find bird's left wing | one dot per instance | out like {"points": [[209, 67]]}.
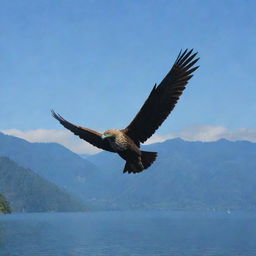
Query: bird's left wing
{"points": [[162, 98], [89, 135]]}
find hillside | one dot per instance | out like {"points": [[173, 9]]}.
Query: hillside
{"points": [[28, 192], [51, 161]]}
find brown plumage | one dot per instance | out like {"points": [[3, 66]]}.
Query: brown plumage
{"points": [[154, 111]]}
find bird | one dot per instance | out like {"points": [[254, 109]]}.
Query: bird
{"points": [[160, 102]]}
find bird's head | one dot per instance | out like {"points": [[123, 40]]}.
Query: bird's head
{"points": [[109, 134]]}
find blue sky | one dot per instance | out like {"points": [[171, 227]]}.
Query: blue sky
{"points": [[95, 62]]}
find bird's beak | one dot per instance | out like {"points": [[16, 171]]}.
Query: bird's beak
{"points": [[104, 136]]}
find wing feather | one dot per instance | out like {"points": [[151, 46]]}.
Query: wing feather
{"points": [[89, 135], [163, 98]]}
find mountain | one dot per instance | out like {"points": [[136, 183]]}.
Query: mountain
{"points": [[28, 192], [52, 162], [219, 174], [4, 205]]}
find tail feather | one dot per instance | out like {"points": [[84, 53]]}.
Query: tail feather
{"points": [[147, 158]]}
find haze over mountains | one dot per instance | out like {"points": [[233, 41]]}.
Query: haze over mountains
{"points": [[186, 175]]}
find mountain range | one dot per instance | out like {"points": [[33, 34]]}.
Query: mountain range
{"points": [[186, 175], [219, 174]]}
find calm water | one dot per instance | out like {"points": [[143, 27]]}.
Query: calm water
{"points": [[150, 233]]}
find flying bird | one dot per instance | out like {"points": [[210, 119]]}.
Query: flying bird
{"points": [[160, 102]]}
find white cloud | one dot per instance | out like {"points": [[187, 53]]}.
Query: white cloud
{"points": [[207, 133], [195, 133]]}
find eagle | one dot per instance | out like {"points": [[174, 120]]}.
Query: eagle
{"points": [[160, 102]]}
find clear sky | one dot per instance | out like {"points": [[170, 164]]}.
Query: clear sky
{"points": [[95, 62]]}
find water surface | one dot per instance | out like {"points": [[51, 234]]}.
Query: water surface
{"points": [[134, 233]]}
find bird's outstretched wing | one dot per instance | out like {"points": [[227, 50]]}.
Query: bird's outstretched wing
{"points": [[89, 135], [162, 98]]}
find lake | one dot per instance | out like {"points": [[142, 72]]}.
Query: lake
{"points": [[131, 233]]}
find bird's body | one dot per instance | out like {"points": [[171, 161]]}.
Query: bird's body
{"points": [[156, 108], [126, 148], [119, 141]]}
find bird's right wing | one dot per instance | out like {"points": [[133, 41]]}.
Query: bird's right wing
{"points": [[89, 135], [162, 98]]}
